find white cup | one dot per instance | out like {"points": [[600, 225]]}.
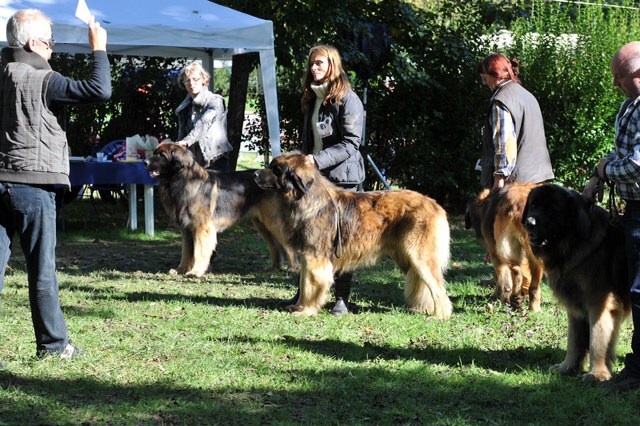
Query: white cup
{"points": [[100, 157]]}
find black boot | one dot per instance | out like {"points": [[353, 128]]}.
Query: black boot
{"points": [[342, 289], [294, 299]]}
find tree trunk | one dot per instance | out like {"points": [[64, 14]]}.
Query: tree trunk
{"points": [[241, 67]]}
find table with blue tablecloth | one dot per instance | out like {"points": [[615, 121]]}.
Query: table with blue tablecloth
{"points": [[131, 173]]}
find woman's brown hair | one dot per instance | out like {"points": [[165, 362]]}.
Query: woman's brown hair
{"points": [[499, 66], [338, 82]]}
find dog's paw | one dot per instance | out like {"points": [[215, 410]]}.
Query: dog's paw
{"points": [[517, 301], [564, 369], [195, 273], [180, 270], [444, 310], [301, 311], [294, 308], [304, 314], [294, 268], [597, 376], [535, 306]]}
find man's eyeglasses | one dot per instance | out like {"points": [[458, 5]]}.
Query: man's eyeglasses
{"points": [[50, 43]]}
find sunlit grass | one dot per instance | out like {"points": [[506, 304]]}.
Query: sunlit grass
{"points": [[163, 349]]}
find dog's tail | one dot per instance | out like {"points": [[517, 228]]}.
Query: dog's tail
{"points": [[442, 244], [424, 280]]}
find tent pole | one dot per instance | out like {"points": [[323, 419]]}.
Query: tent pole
{"points": [[209, 67], [268, 73]]}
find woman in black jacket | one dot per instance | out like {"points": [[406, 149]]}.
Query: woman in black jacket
{"points": [[333, 119]]}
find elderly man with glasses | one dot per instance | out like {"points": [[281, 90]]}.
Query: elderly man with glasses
{"points": [[34, 159]]}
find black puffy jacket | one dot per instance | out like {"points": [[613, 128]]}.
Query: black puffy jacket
{"points": [[340, 159]]}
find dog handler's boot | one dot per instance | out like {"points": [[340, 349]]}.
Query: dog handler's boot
{"points": [[342, 289], [294, 281], [293, 300]]}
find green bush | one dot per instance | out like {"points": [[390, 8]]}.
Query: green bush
{"points": [[425, 102], [567, 67]]}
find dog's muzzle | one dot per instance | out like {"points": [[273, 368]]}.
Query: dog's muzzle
{"points": [[530, 225]]}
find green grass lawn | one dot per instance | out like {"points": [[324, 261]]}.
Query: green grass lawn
{"points": [[169, 350]]}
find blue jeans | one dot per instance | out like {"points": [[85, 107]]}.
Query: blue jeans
{"points": [[30, 211], [631, 225]]}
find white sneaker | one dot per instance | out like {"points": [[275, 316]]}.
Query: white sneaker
{"points": [[71, 352]]}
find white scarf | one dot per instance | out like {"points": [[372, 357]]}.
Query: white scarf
{"points": [[320, 90]]}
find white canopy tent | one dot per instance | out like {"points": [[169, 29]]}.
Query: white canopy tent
{"points": [[167, 28]]}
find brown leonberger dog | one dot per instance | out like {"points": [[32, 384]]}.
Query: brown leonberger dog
{"points": [[496, 216], [585, 263], [335, 231], [203, 203]]}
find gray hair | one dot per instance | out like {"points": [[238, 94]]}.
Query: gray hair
{"points": [[25, 25], [193, 69]]}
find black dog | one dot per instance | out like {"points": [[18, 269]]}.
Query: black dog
{"points": [[585, 263]]}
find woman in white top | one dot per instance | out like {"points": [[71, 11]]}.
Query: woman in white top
{"points": [[202, 120]]}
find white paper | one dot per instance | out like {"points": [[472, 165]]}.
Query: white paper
{"points": [[82, 12]]}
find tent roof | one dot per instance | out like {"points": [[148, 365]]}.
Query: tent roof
{"points": [[169, 28]]}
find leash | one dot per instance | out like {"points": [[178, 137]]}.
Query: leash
{"points": [[337, 242], [612, 206]]}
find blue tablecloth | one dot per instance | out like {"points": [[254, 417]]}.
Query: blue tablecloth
{"points": [[130, 173], [94, 173]]}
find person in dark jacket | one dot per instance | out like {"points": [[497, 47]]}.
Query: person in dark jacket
{"points": [[202, 120], [514, 147], [332, 129], [34, 159]]}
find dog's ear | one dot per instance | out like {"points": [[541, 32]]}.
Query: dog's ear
{"points": [[176, 157], [580, 208], [297, 184]]}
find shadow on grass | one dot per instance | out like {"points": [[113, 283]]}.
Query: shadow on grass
{"points": [[365, 394], [147, 296], [378, 304], [503, 361]]}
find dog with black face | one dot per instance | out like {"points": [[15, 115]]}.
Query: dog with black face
{"points": [[585, 263]]}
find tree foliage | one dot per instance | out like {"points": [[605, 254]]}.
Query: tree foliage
{"points": [[424, 100], [567, 67], [421, 102], [426, 106]]}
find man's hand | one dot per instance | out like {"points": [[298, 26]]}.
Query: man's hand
{"points": [[593, 189], [311, 160], [601, 165], [97, 36], [498, 182]]}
